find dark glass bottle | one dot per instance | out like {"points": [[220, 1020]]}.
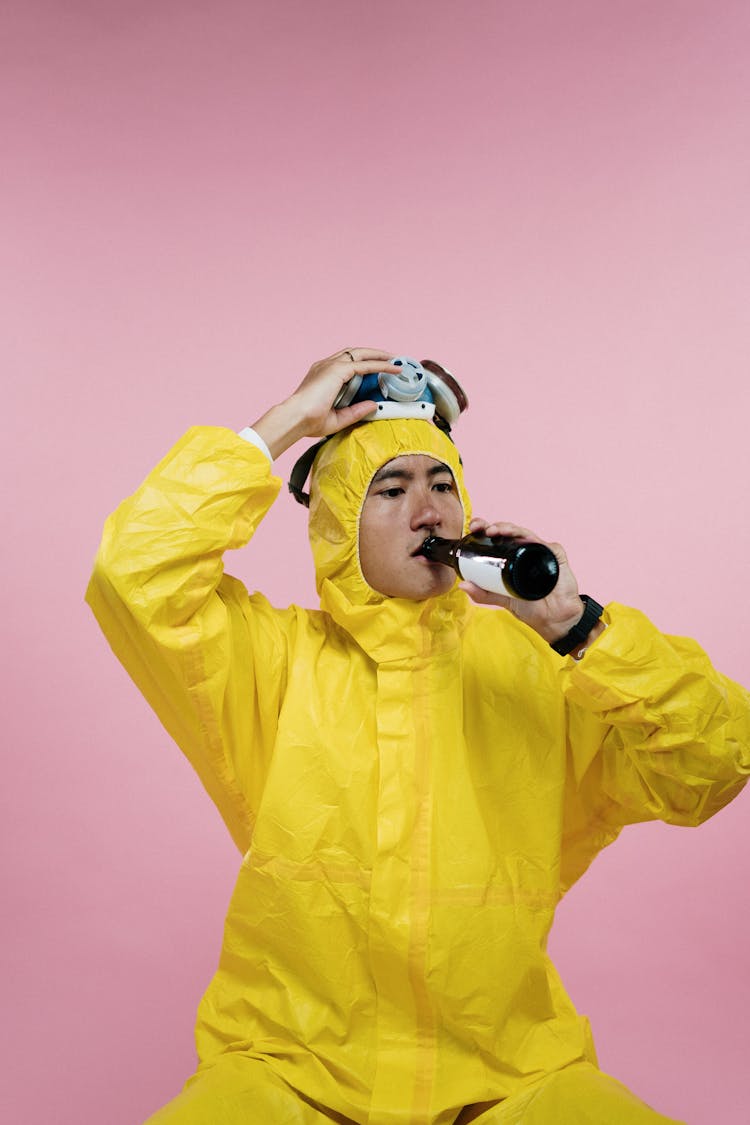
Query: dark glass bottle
{"points": [[497, 563]]}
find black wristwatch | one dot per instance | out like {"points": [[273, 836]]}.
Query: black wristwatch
{"points": [[581, 629]]}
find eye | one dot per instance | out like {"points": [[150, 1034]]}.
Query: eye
{"points": [[445, 486], [391, 493]]}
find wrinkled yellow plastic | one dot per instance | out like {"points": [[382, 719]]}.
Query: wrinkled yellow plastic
{"points": [[412, 786], [239, 1090]]}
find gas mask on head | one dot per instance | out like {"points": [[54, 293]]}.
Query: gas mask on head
{"points": [[423, 390], [419, 390]]}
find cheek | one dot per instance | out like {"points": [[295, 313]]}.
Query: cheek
{"points": [[370, 529], [381, 520], [373, 536], [454, 516]]}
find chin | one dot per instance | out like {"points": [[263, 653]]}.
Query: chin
{"points": [[418, 588], [435, 590]]}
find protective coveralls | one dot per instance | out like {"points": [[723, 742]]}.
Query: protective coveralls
{"points": [[413, 785]]}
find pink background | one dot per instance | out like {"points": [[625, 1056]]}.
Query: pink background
{"points": [[201, 199]]}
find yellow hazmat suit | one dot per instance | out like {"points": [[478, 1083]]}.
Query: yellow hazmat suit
{"points": [[412, 785]]}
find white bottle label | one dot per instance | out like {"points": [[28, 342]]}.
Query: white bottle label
{"points": [[485, 572]]}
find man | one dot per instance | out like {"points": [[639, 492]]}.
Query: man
{"points": [[413, 780]]}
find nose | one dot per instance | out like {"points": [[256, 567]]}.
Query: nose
{"points": [[425, 514]]}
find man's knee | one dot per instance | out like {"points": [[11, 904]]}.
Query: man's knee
{"points": [[577, 1095]]}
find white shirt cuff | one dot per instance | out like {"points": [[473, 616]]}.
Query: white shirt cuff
{"points": [[255, 439]]}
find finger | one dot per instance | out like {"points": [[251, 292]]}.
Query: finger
{"points": [[513, 530], [558, 551], [369, 366], [349, 415], [343, 368], [356, 355], [484, 597], [503, 527]]}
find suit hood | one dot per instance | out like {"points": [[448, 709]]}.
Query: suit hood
{"points": [[341, 476]]}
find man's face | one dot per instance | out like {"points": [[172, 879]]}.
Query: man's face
{"points": [[409, 498]]}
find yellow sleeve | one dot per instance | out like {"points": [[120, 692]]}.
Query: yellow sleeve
{"points": [[654, 732], [210, 660]]}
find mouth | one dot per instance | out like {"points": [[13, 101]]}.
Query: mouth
{"points": [[424, 560]]}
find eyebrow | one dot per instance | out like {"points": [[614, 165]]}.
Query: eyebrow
{"points": [[405, 474]]}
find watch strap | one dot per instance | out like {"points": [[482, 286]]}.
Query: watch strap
{"points": [[580, 631]]}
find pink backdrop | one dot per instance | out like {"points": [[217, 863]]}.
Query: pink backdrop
{"points": [[199, 200]]}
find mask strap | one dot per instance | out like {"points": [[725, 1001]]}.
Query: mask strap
{"points": [[301, 471]]}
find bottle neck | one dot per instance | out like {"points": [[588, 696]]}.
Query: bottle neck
{"points": [[441, 550]]}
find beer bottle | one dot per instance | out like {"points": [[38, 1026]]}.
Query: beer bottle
{"points": [[498, 563]]}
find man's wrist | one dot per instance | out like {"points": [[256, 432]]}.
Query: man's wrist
{"points": [[578, 652], [562, 628], [280, 427], [579, 636], [253, 437]]}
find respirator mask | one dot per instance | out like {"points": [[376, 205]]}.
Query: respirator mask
{"points": [[419, 390]]}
